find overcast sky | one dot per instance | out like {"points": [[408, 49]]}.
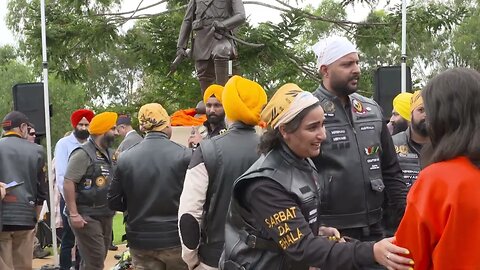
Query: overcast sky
{"points": [[254, 12]]}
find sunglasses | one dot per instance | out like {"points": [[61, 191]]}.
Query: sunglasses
{"points": [[31, 134]]}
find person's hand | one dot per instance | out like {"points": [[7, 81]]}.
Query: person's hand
{"points": [[77, 221], [331, 233], [194, 138], [328, 231], [392, 256], [3, 191], [181, 51], [219, 26]]}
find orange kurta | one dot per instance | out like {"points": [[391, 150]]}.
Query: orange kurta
{"points": [[441, 225]]}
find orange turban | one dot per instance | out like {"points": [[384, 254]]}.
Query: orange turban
{"points": [[77, 116], [243, 100], [213, 90], [417, 100], [102, 123]]}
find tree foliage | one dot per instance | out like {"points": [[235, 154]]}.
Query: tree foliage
{"points": [[107, 67]]}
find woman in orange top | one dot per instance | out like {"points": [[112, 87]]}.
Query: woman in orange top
{"points": [[441, 225]]}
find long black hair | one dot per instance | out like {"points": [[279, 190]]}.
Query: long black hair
{"points": [[272, 137], [452, 104]]}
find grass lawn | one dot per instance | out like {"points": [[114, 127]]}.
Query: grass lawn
{"points": [[118, 228]]}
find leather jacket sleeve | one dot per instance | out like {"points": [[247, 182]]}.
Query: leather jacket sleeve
{"points": [[395, 187], [190, 211], [279, 215], [42, 184], [116, 196]]}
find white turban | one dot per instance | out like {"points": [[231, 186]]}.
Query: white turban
{"points": [[331, 49]]}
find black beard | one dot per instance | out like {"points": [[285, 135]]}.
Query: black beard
{"points": [[342, 89], [108, 141], [81, 134], [420, 128], [215, 119], [399, 126]]}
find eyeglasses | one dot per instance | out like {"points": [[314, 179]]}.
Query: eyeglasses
{"points": [[31, 134]]}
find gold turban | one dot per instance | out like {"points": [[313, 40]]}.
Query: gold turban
{"points": [[153, 117], [286, 103], [401, 104], [215, 90], [243, 100], [417, 100], [102, 123]]}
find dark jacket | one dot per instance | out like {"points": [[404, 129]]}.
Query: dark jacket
{"points": [[22, 161], [231, 154], [408, 156], [147, 183], [273, 220], [358, 165], [130, 140]]}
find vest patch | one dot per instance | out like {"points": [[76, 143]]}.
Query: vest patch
{"points": [[340, 139], [374, 167], [401, 149], [100, 181], [87, 184], [357, 107], [372, 150], [338, 132], [329, 107], [366, 128], [305, 189]]}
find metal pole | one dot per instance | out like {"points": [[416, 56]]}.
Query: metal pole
{"points": [[48, 135], [404, 46]]}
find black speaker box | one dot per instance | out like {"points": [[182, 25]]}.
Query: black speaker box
{"points": [[28, 99], [388, 85]]}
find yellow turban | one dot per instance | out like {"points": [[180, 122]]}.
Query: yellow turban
{"points": [[153, 117], [401, 104], [215, 90], [102, 123], [243, 100], [286, 103], [417, 100]]}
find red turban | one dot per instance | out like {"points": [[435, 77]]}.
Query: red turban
{"points": [[77, 116]]}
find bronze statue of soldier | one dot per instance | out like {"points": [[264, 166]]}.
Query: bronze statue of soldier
{"points": [[210, 24]]}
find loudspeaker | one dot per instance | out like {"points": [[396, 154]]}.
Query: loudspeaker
{"points": [[28, 99], [388, 85]]}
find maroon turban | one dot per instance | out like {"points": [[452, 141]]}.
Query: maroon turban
{"points": [[79, 114]]}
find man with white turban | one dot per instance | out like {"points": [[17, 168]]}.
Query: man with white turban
{"points": [[357, 166]]}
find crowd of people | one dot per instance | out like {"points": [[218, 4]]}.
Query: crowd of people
{"points": [[328, 184]]}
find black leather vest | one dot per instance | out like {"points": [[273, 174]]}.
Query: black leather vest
{"points": [[349, 164], [226, 157], [91, 191], [408, 157], [20, 160], [247, 246]]}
